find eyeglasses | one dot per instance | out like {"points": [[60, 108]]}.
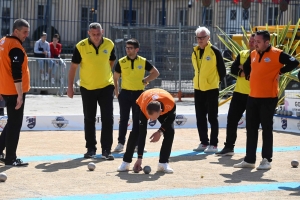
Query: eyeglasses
{"points": [[129, 48], [200, 38]]}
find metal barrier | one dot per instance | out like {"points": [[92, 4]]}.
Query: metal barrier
{"points": [[42, 70]]}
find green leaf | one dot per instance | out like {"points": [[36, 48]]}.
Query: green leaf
{"points": [[294, 33]]}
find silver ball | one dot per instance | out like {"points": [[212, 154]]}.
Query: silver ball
{"points": [[3, 177], [147, 169], [295, 163], [91, 166]]}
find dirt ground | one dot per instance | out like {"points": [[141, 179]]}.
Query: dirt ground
{"points": [[70, 177]]}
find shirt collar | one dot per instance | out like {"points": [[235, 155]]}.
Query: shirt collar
{"points": [[14, 37]]}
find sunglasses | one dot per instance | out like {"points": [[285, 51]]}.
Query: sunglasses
{"points": [[200, 38]]}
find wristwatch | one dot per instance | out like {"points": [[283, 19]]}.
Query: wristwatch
{"points": [[145, 82]]}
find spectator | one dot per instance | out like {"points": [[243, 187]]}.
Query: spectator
{"points": [[42, 50]]}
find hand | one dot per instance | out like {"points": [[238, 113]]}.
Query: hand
{"points": [[242, 74], [117, 93], [1, 98], [155, 137], [138, 165], [241, 67], [145, 82], [70, 92], [19, 102]]}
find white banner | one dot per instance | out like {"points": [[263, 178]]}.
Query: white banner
{"points": [[292, 104], [76, 122], [286, 124]]}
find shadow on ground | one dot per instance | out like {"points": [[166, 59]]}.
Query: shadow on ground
{"points": [[132, 177], [296, 190]]}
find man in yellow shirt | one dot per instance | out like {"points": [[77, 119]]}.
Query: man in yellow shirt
{"points": [[239, 100], [131, 68], [96, 57]]}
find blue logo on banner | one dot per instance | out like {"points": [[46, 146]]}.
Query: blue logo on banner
{"points": [[3, 121], [60, 122], [180, 120], [152, 123], [284, 123], [31, 121]]}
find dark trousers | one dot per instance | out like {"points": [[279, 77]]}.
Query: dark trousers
{"points": [[236, 109], [206, 103], [127, 100], [141, 129], [260, 111], [10, 135], [104, 98]]}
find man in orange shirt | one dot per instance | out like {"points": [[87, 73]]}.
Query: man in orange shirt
{"points": [[14, 84], [154, 104], [262, 69]]}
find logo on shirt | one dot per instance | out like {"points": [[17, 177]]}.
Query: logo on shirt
{"points": [[60, 122], [267, 60], [82, 44], [2, 42], [31, 121], [180, 120], [208, 58], [284, 123], [253, 59], [292, 59], [123, 61], [154, 97], [105, 51], [139, 67]]}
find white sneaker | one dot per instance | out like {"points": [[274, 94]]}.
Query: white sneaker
{"points": [[211, 149], [52, 80], [42, 77], [244, 164], [123, 167], [136, 149], [119, 148], [264, 165], [164, 167], [46, 77], [201, 147]]}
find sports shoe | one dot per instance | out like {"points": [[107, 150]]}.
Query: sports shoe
{"points": [[119, 148], [225, 152], [107, 156], [201, 147], [46, 77], [211, 149], [164, 167], [244, 164], [264, 165], [136, 149], [16, 163], [123, 167], [42, 77], [90, 153], [52, 81]]}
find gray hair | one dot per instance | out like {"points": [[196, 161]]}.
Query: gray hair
{"points": [[95, 25], [201, 29], [20, 23]]}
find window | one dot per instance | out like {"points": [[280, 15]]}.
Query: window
{"points": [[5, 21], [86, 19], [232, 14], [272, 15], [126, 17], [41, 14], [183, 17], [208, 17], [245, 14], [159, 17]]}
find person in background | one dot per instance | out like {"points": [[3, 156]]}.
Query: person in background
{"points": [[42, 50], [55, 50]]}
